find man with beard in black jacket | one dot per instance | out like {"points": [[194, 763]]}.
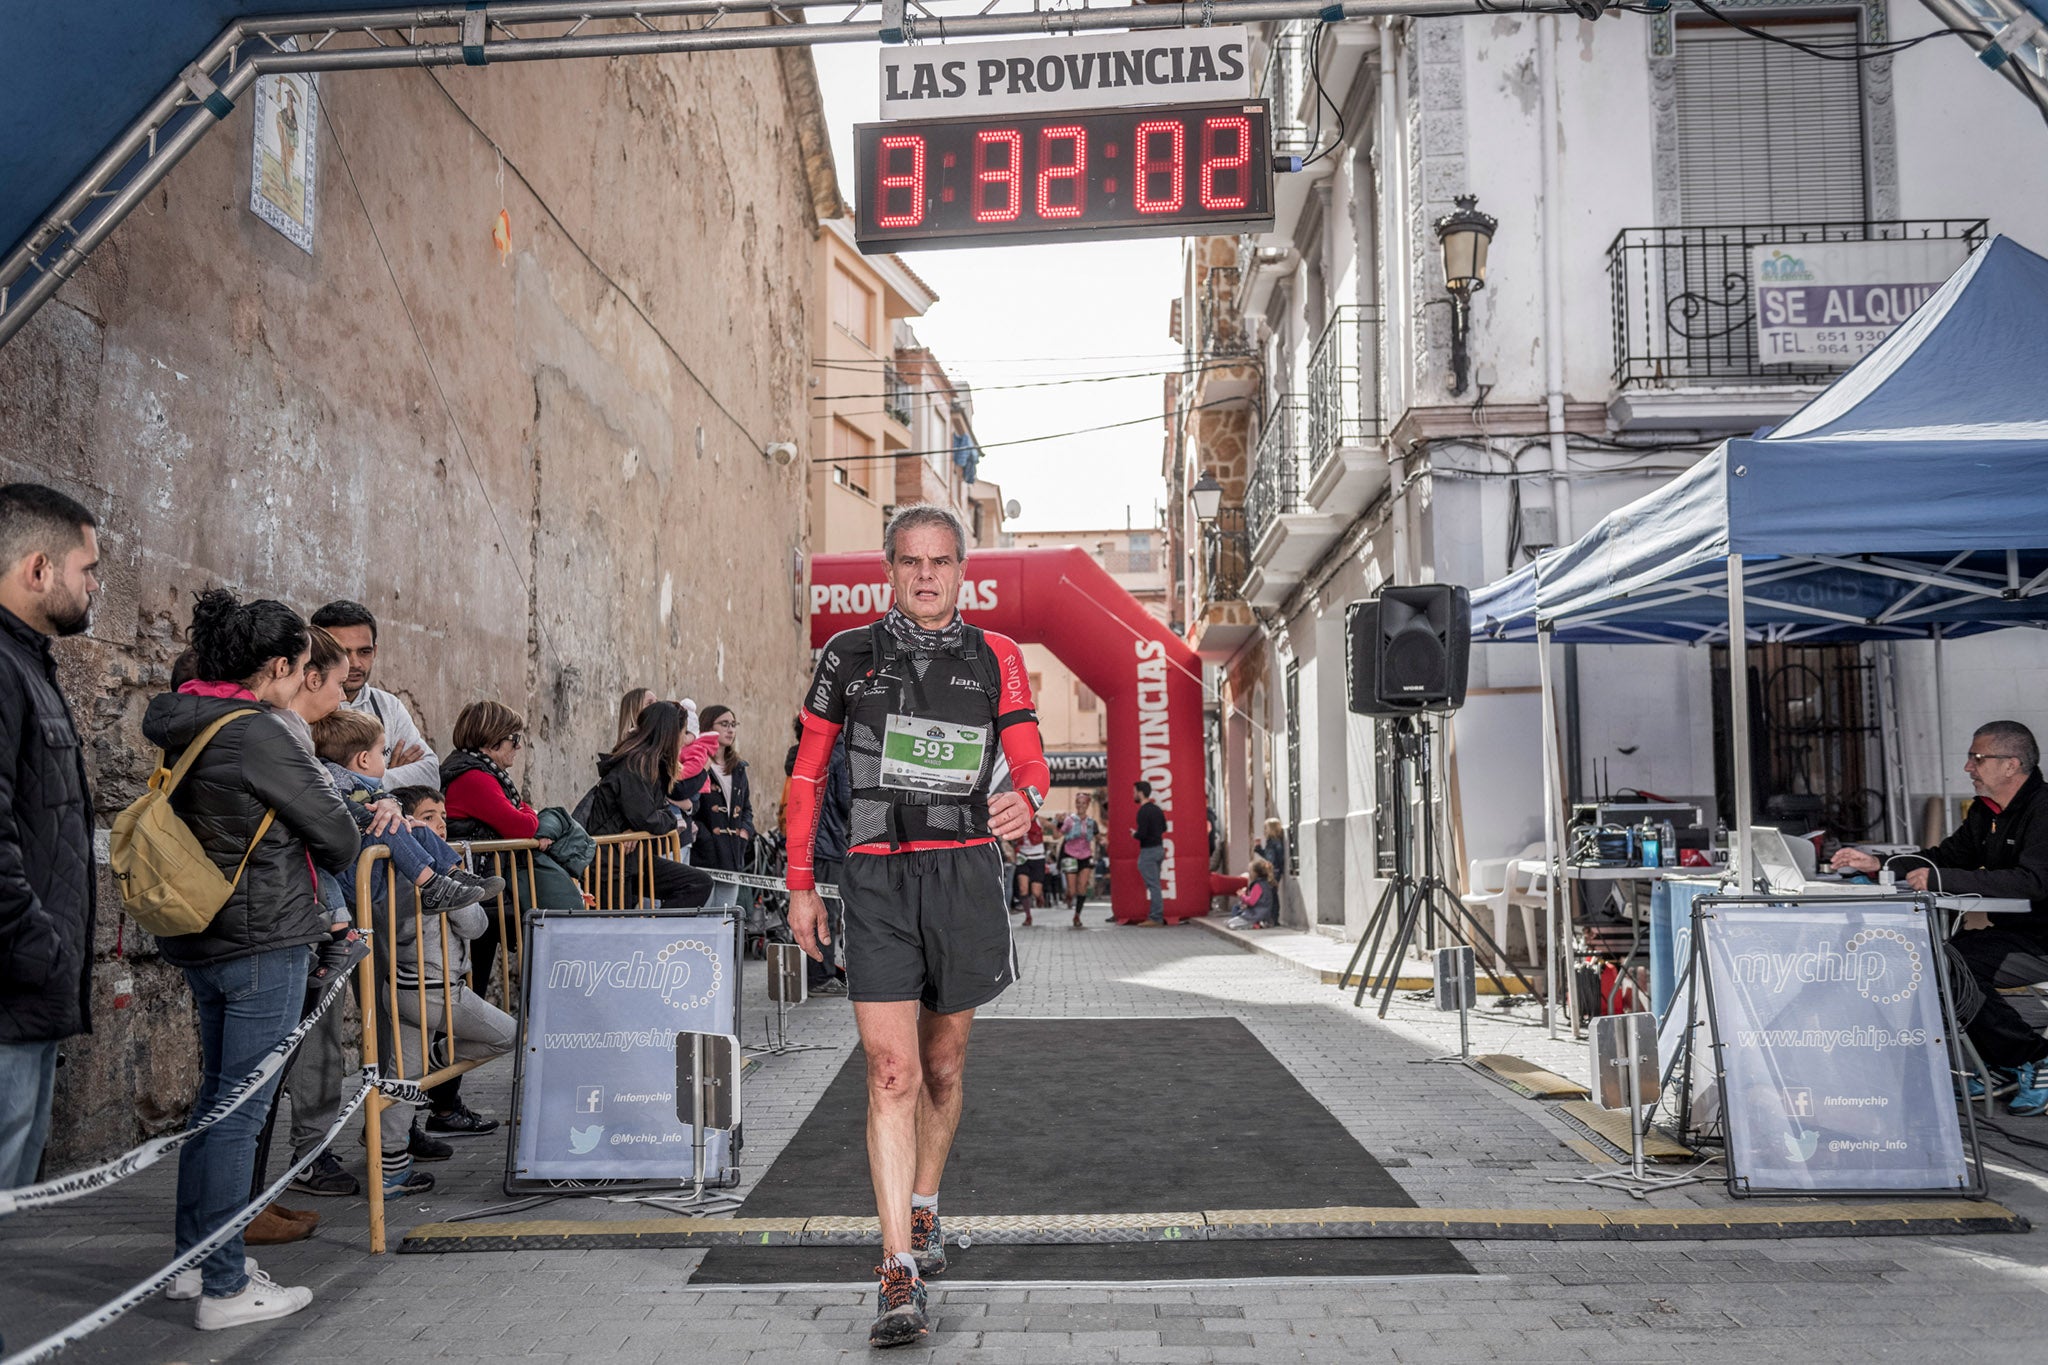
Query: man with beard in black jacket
{"points": [[49, 562], [2001, 852]]}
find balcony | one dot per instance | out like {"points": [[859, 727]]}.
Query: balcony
{"points": [[1226, 557], [895, 396], [1226, 361], [1347, 469], [1685, 334], [1223, 621], [1287, 534], [1285, 81]]}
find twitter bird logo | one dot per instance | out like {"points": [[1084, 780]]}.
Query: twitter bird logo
{"points": [[584, 1140]]}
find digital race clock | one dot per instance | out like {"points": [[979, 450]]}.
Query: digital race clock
{"points": [[1167, 170]]}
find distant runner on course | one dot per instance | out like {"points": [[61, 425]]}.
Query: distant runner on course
{"points": [[925, 699]]}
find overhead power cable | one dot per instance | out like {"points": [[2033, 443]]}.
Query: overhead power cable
{"points": [[1828, 50], [1050, 383], [985, 447]]}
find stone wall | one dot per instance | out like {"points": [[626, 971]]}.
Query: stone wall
{"points": [[542, 472]]}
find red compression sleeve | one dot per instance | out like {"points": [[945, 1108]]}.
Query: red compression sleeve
{"points": [[1022, 746], [1026, 753], [804, 797]]}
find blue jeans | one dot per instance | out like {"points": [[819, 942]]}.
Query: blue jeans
{"points": [[412, 851], [245, 1006], [1150, 863], [28, 1073]]}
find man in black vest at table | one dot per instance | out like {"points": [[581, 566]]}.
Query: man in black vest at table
{"points": [[2001, 852]]}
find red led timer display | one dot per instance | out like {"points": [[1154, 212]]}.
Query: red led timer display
{"points": [[1115, 173]]}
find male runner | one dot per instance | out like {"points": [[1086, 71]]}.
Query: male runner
{"points": [[924, 698]]}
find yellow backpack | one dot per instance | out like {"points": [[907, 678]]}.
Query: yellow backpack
{"points": [[167, 881]]}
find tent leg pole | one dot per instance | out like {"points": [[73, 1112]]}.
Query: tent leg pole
{"points": [[1738, 718], [1940, 740], [1556, 963]]}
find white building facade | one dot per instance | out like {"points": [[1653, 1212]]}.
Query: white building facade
{"points": [[1632, 164]]}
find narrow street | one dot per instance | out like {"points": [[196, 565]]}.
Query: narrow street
{"points": [[1450, 1137]]}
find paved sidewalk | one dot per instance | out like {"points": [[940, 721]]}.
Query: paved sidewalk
{"points": [[1451, 1137]]}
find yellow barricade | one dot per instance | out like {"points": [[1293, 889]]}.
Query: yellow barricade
{"points": [[614, 880]]}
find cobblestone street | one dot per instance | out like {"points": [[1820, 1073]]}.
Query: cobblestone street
{"points": [[1451, 1137]]}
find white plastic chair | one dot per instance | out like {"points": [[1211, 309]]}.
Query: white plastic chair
{"points": [[1498, 885]]}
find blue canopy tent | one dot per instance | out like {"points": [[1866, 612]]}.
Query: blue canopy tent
{"points": [[1908, 500]]}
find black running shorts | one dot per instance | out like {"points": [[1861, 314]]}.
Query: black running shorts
{"points": [[928, 926]]}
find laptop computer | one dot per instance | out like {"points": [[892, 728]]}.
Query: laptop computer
{"points": [[1773, 864]]}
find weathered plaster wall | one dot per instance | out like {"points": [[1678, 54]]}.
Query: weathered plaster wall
{"points": [[586, 510]]}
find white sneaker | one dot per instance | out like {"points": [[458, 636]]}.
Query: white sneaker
{"points": [[260, 1300], [187, 1286], [1238, 922]]}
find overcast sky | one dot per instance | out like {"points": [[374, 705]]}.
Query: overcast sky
{"points": [[1027, 314]]}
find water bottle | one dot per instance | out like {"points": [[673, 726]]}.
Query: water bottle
{"points": [[1651, 856], [1668, 836]]}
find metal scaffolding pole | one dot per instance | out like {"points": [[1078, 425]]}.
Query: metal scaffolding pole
{"points": [[455, 35]]}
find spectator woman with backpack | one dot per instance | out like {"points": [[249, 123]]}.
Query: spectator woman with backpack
{"points": [[637, 791], [264, 813]]}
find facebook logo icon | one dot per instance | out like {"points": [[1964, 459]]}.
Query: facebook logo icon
{"points": [[590, 1099]]}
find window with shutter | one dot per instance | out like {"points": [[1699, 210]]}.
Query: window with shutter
{"points": [[1767, 133]]}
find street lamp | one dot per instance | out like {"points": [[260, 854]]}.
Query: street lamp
{"points": [[1207, 496], [1464, 237]]}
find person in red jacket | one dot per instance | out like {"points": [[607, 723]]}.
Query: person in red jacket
{"points": [[925, 700]]}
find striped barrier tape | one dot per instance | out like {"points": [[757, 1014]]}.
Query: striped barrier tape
{"points": [[84, 1182], [763, 883], [114, 1308]]}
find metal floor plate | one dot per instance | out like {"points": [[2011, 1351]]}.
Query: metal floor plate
{"points": [[1812, 1219]]}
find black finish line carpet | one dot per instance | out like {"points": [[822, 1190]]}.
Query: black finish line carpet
{"points": [[1099, 1116]]}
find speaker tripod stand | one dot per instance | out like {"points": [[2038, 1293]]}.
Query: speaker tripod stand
{"points": [[1410, 896]]}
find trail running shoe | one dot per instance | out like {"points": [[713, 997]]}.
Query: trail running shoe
{"points": [[927, 1242], [902, 1317], [2031, 1095]]}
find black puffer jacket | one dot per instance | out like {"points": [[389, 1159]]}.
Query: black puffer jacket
{"points": [[252, 766], [624, 802], [46, 878]]}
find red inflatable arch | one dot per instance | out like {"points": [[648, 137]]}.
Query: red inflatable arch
{"points": [[1148, 678]]}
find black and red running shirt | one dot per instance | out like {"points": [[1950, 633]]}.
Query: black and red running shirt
{"points": [[846, 688]]}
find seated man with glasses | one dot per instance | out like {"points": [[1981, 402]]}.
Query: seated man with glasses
{"points": [[2000, 852]]}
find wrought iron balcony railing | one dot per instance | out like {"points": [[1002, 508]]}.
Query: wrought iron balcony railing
{"points": [[1344, 384], [895, 395], [1280, 469], [1220, 329], [1226, 557], [1285, 80], [1683, 312]]}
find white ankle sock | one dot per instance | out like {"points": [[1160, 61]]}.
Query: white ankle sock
{"points": [[925, 1201], [906, 1260]]}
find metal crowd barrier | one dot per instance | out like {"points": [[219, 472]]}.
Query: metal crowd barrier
{"points": [[615, 880]]}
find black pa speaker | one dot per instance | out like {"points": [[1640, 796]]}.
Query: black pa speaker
{"points": [[1408, 649]]}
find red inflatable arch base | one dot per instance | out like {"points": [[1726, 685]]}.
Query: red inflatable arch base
{"points": [[1148, 679]]}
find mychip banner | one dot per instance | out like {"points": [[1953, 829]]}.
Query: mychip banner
{"points": [[606, 995], [1833, 1047]]}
